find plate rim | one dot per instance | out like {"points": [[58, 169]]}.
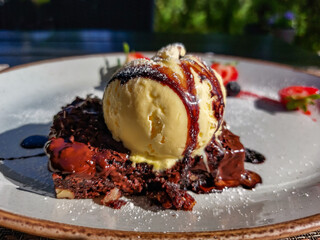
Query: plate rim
{"points": [[47, 228]]}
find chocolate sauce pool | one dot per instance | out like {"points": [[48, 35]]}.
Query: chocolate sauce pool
{"points": [[254, 157], [31, 142], [34, 141]]}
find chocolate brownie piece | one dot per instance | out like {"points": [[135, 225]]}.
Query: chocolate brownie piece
{"points": [[87, 163]]}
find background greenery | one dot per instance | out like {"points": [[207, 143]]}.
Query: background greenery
{"points": [[235, 17], [238, 17]]}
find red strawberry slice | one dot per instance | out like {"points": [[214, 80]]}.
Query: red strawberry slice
{"points": [[298, 97], [228, 72], [135, 55], [132, 55]]}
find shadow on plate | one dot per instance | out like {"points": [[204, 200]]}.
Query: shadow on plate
{"points": [[106, 74], [144, 203], [269, 107], [28, 169]]}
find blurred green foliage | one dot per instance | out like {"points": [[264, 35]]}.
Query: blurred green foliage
{"points": [[239, 17]]}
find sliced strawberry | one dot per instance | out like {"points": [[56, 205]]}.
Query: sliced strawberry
{"points": [[298, 97], [135, 55], [132, 55], [228, 72]]}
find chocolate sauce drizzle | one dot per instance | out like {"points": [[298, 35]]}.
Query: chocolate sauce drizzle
{"points": [[24, 157], [184, 87]]}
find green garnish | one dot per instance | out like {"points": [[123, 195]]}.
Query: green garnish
{"points": [[126, 48], [301, 103]]}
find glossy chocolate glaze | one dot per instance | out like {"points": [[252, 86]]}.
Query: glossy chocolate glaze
{"points": [[225, 160], [183, 86], [71, 157]]}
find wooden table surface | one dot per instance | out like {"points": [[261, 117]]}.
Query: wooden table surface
{"points": [[20, 47]]}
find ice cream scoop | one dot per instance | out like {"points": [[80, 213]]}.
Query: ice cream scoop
{"points": [[164, 108]]}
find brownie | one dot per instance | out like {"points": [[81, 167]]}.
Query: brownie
{"points": [[88, 163]]}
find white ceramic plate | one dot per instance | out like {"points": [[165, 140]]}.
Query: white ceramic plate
{"points": [[287, 203]]}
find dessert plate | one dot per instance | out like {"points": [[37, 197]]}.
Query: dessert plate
{"points": [[286, 203]]}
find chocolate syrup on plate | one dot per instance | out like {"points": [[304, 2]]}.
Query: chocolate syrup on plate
{"points": [[31, 142], [253, 156], [34, 141], [24, 157]]}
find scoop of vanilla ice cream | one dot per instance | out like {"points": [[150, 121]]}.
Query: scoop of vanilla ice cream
{"points": [[163, 108]]}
